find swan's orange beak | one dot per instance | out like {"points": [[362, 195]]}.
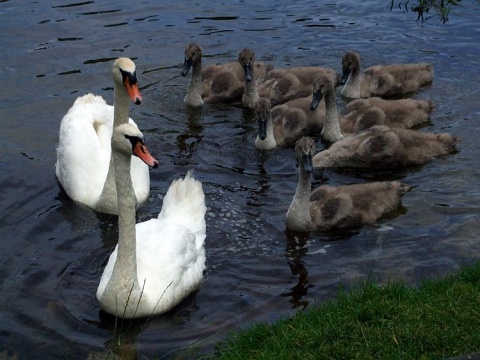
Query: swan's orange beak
{"points": [[133, 91], [142, 152]]}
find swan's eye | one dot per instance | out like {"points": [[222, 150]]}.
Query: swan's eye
{"points": [[134, 140], [132, 77]]}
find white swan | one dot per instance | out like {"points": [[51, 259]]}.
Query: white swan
{"points": [[156, 263], [83, 165]]}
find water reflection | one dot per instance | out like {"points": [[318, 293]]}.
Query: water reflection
{"points": [[187, 141], [120, 347], [297, 247], [123, 344]]}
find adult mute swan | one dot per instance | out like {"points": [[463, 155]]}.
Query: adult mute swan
{"points": [[156, 263], [382, 80], [83, 166], [329, 207]]}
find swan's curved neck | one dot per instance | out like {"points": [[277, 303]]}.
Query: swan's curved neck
{"points": [[123, 284], [298, 214], [126, 214], [120, 105], [331, 131], [120, 116]]}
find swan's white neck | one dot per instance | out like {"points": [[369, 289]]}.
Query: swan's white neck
{"points": [[123, 288], [126, 213], [298, 214], [120, 105], [269, 142], [194, 90], [120, 116], [331, 128]]}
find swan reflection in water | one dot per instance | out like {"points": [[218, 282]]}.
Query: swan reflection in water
{"points": [[296, 249]]}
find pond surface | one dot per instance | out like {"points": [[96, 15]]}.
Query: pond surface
{"points": [[54, 251]]}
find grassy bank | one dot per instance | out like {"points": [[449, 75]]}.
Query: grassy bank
{"points": [[440, 318]]}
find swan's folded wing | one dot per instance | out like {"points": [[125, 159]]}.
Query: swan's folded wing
{"points": [[83, 152], [168, 258]]}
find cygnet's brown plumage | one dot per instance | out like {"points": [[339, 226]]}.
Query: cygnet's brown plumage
{"points": [[213, 83], [382, 147], [362, 114], [285, 123], [382, 80], [329, 207], [402, 113], [282, 85]]}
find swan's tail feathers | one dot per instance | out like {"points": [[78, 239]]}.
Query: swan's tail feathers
{"points": [[429, 106], [184, 204], [89, 99], [401, 187], [449, 142], [429, 68]]}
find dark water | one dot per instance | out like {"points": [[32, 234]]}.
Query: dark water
{"points": [[53, 251]]}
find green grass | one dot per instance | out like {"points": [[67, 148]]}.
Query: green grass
{"points": [[424, 7], [438, 319]]}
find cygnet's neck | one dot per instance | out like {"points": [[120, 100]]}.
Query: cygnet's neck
{"points": [[250, 95], [298, 214], [194, 90], [269, 142], [331, 131], [352, 86]]}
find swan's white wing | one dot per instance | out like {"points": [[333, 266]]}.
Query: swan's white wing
{"points": [[169, 265], [83, 152]]}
